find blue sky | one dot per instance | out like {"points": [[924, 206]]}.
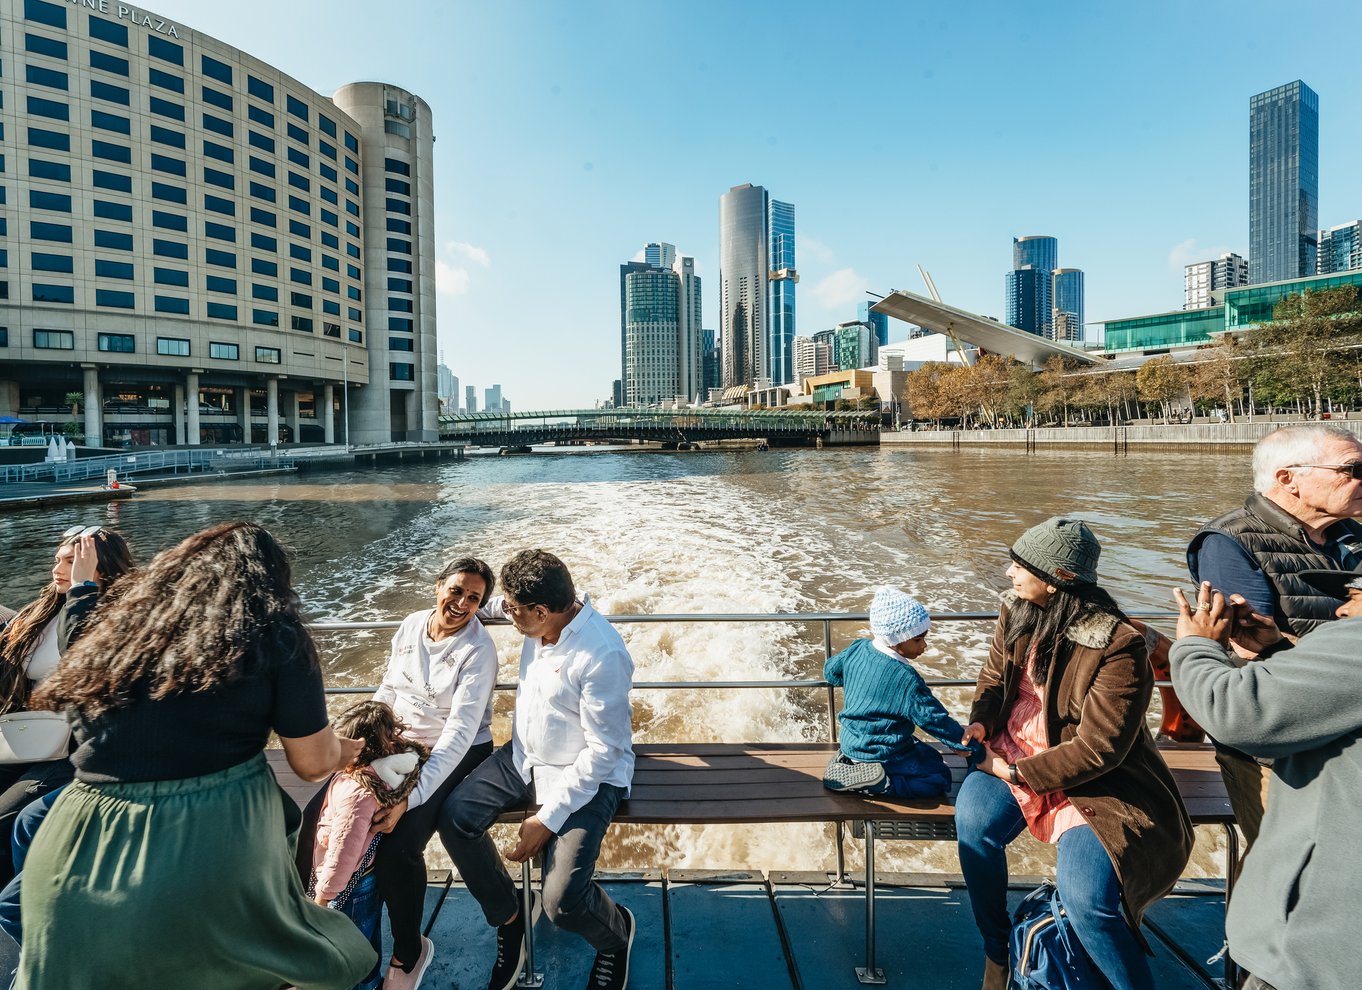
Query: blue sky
{"points": [[569, 134]]}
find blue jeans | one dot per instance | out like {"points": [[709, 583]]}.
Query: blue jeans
{"points": [[365, 909], [987, 819], [919, 773], [25, 827]]}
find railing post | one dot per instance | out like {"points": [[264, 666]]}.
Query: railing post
{"points": [[870, 973], [528, 977]]}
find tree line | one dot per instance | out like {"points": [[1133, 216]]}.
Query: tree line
{"points": [[1307, 360]]}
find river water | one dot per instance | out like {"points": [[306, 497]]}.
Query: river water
{"points": [[723, 531]]}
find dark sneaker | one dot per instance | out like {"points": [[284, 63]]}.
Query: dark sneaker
{"points": [[511, 948], [845, 774], [610, 971]]}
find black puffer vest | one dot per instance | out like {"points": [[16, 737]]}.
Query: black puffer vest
{"points": [[1277, 543]]}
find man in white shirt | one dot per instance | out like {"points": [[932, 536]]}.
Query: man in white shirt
{"points": [[571, 752], [439, 681]]}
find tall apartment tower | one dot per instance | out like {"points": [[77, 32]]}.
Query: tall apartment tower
{"points": [[1067, 318], [784, 276], [399, 285], [470, 399], [659, 254], [757, 279], [1283, 183], [690, 367], [878, 322], [661, 354], [492, 399], [1340, 248], [1029, 286], [1205, 277]]}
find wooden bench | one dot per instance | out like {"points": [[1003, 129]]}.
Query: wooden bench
{"points": [[758, 783]]}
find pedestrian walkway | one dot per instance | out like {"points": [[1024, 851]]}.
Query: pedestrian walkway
{"points": [[17, 495]]}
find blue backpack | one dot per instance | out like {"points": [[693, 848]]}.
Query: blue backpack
{"points": [[1045, 952]]}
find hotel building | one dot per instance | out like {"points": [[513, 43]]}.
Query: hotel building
{"points": [[202, 247]]}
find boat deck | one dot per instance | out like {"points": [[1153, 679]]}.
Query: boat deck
{"points": [[712, 930]]}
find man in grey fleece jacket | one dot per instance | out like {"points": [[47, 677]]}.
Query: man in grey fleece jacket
{"points": [[1293, 919]]}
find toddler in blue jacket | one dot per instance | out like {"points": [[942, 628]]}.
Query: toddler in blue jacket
{"points": [[884, 701]]}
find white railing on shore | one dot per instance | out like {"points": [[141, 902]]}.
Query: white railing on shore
{"points": [[172, 461]]}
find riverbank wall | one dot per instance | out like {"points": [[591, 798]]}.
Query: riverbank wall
{"points": [[1195, 436]]}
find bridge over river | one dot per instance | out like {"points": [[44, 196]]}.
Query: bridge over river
{"points": [[777, 427]]}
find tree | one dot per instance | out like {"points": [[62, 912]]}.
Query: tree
{"points": [[1057, 388], [1160, 381], [1298, 355], [74, 399], [925, 400], [1218, 375], [1107, 391]]}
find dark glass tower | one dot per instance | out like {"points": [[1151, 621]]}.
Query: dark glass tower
{"points": [[783, 278], [1030, 286], [1283, 183]]}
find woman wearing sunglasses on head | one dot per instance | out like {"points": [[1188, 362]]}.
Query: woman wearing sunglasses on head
{"points": [[86, 564]]}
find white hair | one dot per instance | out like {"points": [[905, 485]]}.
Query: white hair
{"points": [[1300, 443]]}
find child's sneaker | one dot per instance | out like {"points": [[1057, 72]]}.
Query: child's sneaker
{"points": [[845, 774]]}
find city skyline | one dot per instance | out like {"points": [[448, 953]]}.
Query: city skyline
{"points": [[895, 165]]}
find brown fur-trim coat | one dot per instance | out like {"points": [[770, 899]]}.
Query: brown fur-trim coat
{"points": [[1101, 752]]}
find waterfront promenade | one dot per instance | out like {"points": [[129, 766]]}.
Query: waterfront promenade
{"points": [[1194, 436]]}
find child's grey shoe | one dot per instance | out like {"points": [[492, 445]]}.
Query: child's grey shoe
{"points": [[845, 774]]}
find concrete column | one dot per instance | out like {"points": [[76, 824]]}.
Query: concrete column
{"points": [[9, 398], [178, 407], [191, 405], [292, 415], [272, 411], [326, 412], [94, 404], [243, 413]]}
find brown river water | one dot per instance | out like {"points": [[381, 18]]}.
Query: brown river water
{"points": [[730, 531]]}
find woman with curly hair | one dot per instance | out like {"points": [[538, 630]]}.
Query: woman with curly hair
{"points": [[174, 824], [84, 568]]}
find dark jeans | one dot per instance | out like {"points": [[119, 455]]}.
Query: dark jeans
{"points": [[20, 785], [400, 864], [987, 818], [25, 827], [572, 899]]}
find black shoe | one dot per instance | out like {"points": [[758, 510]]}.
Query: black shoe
{"points": [[610, 971], [511, 948]]}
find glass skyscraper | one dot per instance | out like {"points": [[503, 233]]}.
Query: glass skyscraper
{"points": [[1068, 289], [878, 322], [1030, 285], [783, 278], [1340, 248], [1283, 183]]}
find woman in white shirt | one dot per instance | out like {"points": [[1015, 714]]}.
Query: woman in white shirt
{"points": [[439, 681], [88, 560]]}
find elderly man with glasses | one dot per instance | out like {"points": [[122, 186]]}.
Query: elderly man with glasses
{"points": [[1302, 516], [571, 753]]}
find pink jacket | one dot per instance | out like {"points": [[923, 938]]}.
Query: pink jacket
{"points": [[342, 834]]}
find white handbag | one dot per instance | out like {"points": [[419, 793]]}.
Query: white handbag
{"points": [[33, 737]]}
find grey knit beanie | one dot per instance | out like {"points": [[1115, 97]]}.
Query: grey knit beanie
{"points": [[1062, 550]]}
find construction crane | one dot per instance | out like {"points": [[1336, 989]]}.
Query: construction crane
{"points": [[936, 297]]}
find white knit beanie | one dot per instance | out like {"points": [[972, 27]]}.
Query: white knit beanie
{"points": [[896, 617]]}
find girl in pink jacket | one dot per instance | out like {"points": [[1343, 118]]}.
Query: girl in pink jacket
{"points": [[343, 851]]}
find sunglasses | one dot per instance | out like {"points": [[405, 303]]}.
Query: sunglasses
{"points": [[76, 532], [1353, 470]]}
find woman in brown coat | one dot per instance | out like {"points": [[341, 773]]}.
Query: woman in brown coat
{"points": [[1061, 705]]}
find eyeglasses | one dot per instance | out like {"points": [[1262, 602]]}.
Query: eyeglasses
{"points": [[1353, 469], [515, 609], [76, 532]]}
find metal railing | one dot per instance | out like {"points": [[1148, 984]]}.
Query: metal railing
{"points": [[171, 461], [826, 619]]}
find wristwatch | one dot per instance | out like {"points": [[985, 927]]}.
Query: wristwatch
{"points": [[1012, 773]]}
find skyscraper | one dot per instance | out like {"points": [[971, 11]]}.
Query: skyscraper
{"points": [[449, 389], [492, 399], [757, 278], [1030, 287], [626, 269], [470, 399], [1204, 277], [712, 361], [651, 328], [1068, 305], [1340, 248], [1283, 183], [783, 279], [878, 322], [659, 254], [689, 331]]}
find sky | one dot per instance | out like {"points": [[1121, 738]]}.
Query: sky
{"points": [[569, 134]]}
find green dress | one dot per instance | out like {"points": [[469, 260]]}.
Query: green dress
{"points": [[178, 883]]}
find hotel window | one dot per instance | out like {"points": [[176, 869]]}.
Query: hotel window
{"points": [[262, 166], [300, 299], [263, 242], [400, 323], [118, 343], [169, 193], [164, 135], [220, 259], [299, 229], [171, 166], [217, 98], [216, 283], [260, 116], [40, 231], [299, 182], [330, 240], [331, 329], [352, 142], [296, 107], [331, 308], [56, 140], [110, 122], [214, 69], [41, 262], [260, 141], [116, 181], [165, 80], [220, 311], [56, 171], [265, 318], [171, 276], [224, 352], [51, 78], [52, 109], [166, 51], [399, 226], [172, 304], [169, 249], [261, 191], [327, 125], [401, 344], [111, 152], [329, 150], [263, 217], [108, 63], [39, 45], [262, 267], [51, 14], [218, 231], [260, 89], [298, 134], [165, 108], [112, 94], [302, 323], [53, 293], [267, 355], [402, 372], [114, 34], [115, 299], [218, 125], [331, 263], [356, 337], [113, 240], [224, 180], [113, 211], [222, 153], [113, 269], [58, 202], [399, 285], [218, 204], [172, 346], [300, 276], [169, 221], [54, 340], [299, 253], [269, 293]]}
